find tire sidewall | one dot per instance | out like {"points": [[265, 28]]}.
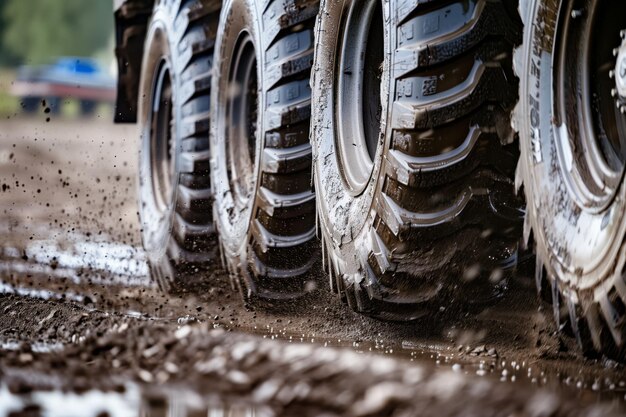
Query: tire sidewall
{"points": [[234, 228], [345, 218], [580, 247], [156, 226]]}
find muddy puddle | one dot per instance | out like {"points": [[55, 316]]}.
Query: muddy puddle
{"points": [[194, 370], [105, 288]]}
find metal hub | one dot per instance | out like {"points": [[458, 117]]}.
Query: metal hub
{"points": [[242, 115], [358, 93], [589, 99], [161, 136], [619, 74]]}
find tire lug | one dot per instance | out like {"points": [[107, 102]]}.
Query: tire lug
{"points": [[615, 51], [611, 73], [613, 92], [622, 34]]}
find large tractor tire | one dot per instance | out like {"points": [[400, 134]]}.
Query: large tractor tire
{"points": [[260, 153], [572, 125], [414, 157], [174, 187]]}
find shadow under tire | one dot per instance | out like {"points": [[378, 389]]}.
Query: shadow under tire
{"points": [[261, 157], [571, 119], [175, 195], [414, 157]]}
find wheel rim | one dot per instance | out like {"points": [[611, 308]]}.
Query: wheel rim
{"points": [[359, 94], [162, 150], [242, 119], [588, 107]]}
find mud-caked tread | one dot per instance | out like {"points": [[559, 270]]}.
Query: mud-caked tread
{"points": [[289, 25], [265, 218], [445, 201], [193, 242], [197, 22], [283, 221], [474, 54]]}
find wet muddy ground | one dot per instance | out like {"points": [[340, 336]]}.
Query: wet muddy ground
{"points": [[84, 330]]}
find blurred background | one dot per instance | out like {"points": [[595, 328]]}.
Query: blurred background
{"points": [[56, 57], [64, 166]]}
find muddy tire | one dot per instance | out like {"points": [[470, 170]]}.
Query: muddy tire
{"points": [[572, 132], [174, 187], [414, 158], [261, 156], [131, 23]]}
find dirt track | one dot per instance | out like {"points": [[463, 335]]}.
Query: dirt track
{"points": [[79, 312]]}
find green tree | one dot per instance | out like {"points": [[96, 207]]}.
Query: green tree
{"points": [[7, 57], [37, 30]]}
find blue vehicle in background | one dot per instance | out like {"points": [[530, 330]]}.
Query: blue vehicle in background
{"points": [[82, 79]]}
